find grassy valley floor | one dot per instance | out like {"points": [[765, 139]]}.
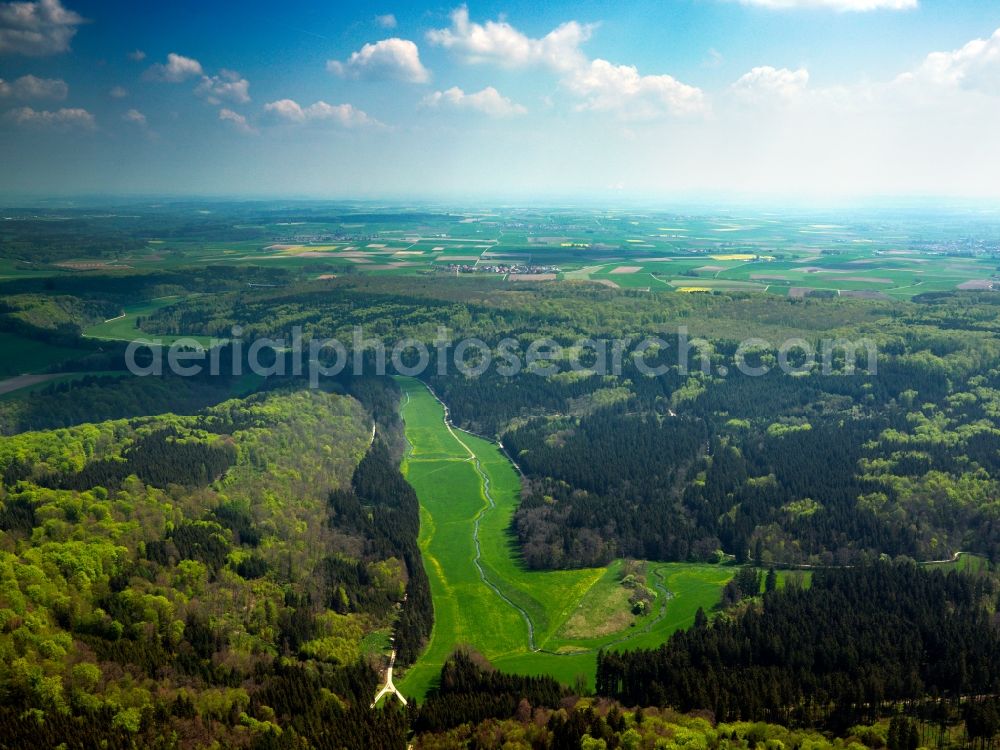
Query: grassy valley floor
{"points": [[529, 622]]}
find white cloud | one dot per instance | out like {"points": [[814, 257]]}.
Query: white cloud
{"points": [[489, 101], [928, 130], [395, 58], [386, 21], [138, 119], [600, 85], [177, 69], [768, 83], [605, 86], [135, 117], [975, 66], [342, 114], [37, 28], [228, 85], [346, 115], [945, 84], [118, 92], [237, 120], [61, 118], [137, 55], [838, 5], [32, 87], [286, 109], [500, 43]]}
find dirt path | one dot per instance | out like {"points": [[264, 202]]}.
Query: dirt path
{"points": [[23, 381]]}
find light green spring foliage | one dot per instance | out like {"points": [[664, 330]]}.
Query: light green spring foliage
{"points": [[654, 729], [292, 449]]}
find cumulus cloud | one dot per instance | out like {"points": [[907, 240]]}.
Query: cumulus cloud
{"points": [[768, 83], [37, 28], [599, 84], [135, 117], [395, 58], [228, 86], [60, 118], [927, 130], [489, 101], [500, 43], [386, 21], [342, 114], [605, 86], [952, 82], [346, 115], [32, 87], [118, 92], [286, 109], [856, 6], [974, 66], [237, 120], [176, 69], [138, 120], [137, 55]]}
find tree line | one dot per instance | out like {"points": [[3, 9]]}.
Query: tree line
{"points": [[848, 649]]}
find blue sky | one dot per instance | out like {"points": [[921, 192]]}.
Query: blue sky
{"points": [[511, 99]]}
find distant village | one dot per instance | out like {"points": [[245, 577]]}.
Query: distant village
{"points": [[503, 268], [322, 238]]}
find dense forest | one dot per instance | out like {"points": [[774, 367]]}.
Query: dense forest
{"points": [[171, 581], [194, 560], [98, 398], [898, 455], [572, 512], [472, 690], [822, 469], [850, 648], [606, 725], [476, 706]]}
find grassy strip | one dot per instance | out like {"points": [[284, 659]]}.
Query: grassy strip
{"points": [[450, 471]]}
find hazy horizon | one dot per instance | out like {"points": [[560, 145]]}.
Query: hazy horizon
{"points": [[720, 203]]}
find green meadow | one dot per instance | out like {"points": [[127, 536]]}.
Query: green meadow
{"points": [[19, 355], [123, 327], [964, 563], [531, 622]]}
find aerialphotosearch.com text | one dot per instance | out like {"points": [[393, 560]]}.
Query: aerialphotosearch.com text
{"points": [[651, 356]]}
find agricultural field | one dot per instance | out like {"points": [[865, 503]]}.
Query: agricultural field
{"points": [[529, 622], [871, 254]]}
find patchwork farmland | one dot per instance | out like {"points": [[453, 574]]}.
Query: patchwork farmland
{"points": [[897, 256]]}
